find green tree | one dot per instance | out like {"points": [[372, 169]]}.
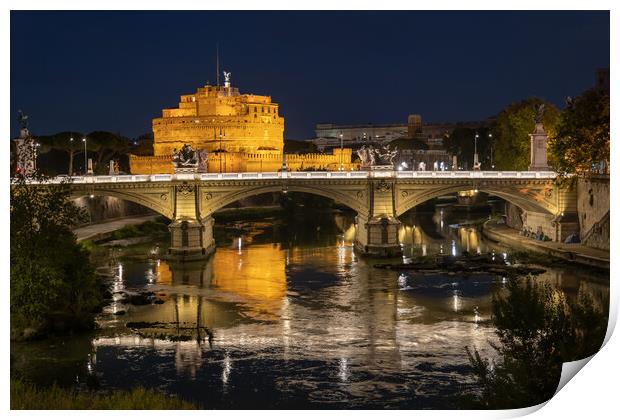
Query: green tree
{"points": [[404, 143], [461, 142], [70, 143], [53, 285], [106, 146], [538, 328], [582, 138], [143, 145], [512, 129], [62, 143]]}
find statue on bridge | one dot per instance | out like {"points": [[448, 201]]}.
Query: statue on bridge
{"points": [[365, 156], [185, 160], [203, 164], [25, 148], [538, 142], [387, 155], [540, 110], [373, 156]]}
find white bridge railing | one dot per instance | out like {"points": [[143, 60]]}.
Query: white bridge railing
{"points": [[101, 179]]}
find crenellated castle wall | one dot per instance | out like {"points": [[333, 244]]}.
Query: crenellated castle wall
{"points": [[260, 161]]}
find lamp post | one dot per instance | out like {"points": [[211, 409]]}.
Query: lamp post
{"points": [[85, 157], [476, 163], [341, 151], [35, 157], [220, 150], [491, 145], [71, 157]]}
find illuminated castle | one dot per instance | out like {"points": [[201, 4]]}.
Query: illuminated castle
{"points": [[240, 132]]}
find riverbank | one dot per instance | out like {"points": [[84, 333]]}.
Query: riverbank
{"points": [[99, 231], [25, 396], [576, 253]]}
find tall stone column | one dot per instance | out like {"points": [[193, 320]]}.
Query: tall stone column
{"points": [[191, 236], [538, 149], [377, 231]]}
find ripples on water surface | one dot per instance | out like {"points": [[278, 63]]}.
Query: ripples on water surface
{"points": [[304, 323]]}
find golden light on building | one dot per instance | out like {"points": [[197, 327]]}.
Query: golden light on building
{"points": [[239, 132], [218, 117]]}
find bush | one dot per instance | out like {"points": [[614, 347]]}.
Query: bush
{"points": [[538, 328], [147, 228], [53, 284], [129, 231]]}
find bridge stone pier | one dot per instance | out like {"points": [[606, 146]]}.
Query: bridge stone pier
{"points": [[379, 198]]}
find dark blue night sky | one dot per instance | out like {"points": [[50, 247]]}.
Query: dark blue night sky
{"points": [[115, 71]]}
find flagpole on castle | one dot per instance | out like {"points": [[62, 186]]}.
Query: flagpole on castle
{"points": [[217, 62]]}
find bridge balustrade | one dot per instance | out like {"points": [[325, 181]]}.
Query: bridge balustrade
{"points": [[300, 175], [161, 177], [378, 208]]}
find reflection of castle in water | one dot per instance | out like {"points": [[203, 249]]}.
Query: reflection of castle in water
{"points": [[317, 303]]}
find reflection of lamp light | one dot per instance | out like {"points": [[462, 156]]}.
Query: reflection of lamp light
{"points": [[227, 368]]}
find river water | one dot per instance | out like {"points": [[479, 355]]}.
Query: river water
{"points": [[287, 315]]}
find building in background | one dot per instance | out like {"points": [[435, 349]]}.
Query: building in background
{"points": [[420, 145], [328, 135]]}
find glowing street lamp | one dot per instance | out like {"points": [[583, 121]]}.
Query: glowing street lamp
{"points": [[341, 146], [491, 144], [85, 157], [71, 157], [35, 155], [476, 163]]}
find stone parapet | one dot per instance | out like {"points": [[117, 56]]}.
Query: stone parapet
{"points": [[259, 161]]}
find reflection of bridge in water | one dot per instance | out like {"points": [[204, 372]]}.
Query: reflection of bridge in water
{"points": [[378, 197], [344, 313]]}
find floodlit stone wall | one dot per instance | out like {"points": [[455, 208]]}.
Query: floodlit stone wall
{"points": [[593, 207], [259, 161]]}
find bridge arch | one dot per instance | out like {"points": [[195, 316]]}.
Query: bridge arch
{"points": [[528, 199], [211, 202], [158, 202]]}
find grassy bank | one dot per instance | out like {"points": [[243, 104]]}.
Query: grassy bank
{"points": [[157, 227], [25, 396]]}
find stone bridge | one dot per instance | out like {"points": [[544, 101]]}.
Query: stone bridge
{"points": [[378, 197]]}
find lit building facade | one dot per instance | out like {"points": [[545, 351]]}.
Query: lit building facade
{"points": [[239, 132], [219, 117], [354, 136]]}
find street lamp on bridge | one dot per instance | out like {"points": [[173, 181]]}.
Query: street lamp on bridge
{"points": [[476, 163], [85, 157], [491, 145], [341, 168]]}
